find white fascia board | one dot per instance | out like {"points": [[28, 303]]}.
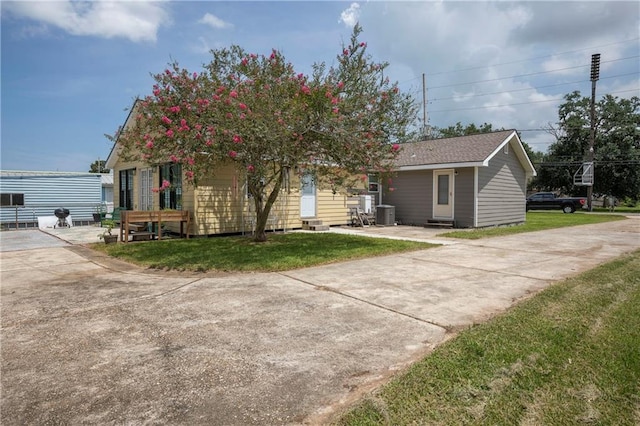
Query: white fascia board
{"points": [[440, 166], [499, 147], [112, 158], [518, 150]]}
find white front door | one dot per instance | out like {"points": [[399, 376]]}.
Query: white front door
{"points": [[146, 189], [308, 195], [443, 194]]}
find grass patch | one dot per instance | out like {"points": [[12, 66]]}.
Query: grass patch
{"points": [[568, 356], [536, 221], [281, 252], [619, 209]]}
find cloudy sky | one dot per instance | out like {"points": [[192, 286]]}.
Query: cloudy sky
{"points": [[70, 69]]}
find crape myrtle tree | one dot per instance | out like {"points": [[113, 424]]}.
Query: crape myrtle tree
{"points": [[616, 147], [255, 112]]}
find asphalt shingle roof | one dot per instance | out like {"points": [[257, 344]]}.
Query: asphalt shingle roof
{"points": [[463, 149]]}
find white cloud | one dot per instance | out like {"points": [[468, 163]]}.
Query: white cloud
{"points": [[620, 88], [31, 31], [501, 62], [201, 47], [135, 20], [214, 22], [351, 15]]}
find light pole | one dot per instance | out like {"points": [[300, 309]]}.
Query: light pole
{"points": [[595, 75]]}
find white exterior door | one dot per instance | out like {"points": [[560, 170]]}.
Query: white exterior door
{"points": [[146, 186], [307, 196], [443, 194]]}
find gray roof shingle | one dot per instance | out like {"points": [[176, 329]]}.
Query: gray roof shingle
{"points": [[463, 149]]}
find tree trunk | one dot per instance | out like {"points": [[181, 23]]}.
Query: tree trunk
{"points": [[260, 234], [262, 211]]}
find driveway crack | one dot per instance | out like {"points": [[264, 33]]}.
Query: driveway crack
{"points": [[447, 328]]}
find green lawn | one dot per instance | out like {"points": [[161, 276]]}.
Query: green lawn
{"points": [[537, 221], [281, 252], [568, 356], [299, 250], [619, 209]]}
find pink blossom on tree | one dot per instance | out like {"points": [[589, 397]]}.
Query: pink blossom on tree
{"points": [[335, 123]]}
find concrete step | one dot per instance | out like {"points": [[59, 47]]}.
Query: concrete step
{"points": [[318, 227], [141, 236], [439, 224], [311, 222], [314, 225]]}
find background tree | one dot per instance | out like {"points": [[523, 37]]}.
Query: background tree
{"points": [[257, 113], [616, 148], [98, 166], [459, 130], [471, 129]]}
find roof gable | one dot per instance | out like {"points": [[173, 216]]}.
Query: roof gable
{"points": [[114, 153]]}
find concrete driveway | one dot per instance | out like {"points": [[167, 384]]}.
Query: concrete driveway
{"points": [[86, 339]]}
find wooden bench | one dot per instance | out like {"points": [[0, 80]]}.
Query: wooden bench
{"points": [[129, 219]]}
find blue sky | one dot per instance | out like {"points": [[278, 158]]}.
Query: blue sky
{"points": [[71, 69]]}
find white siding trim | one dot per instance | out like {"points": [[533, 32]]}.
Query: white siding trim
{"points": [[439, 166], [521, 154], [499, 147], [475, 197]]}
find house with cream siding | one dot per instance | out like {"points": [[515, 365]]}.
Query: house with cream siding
{"points": [[220, 203]]}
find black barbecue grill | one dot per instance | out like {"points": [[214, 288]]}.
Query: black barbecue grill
{"points": [[61, 214]]}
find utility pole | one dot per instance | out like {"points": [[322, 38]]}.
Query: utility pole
{"points": [[595, 75], [425, 126]]}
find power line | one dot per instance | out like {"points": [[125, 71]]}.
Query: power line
{"points": [[534, 58], [527, 75], [521, 103], [522, 60], [578, 162], [530, 88]]}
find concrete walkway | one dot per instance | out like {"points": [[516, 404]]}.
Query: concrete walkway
{"points": [[86, 339]]}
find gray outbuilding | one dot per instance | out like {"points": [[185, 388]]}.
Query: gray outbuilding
{"points": [[468, 182]]}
